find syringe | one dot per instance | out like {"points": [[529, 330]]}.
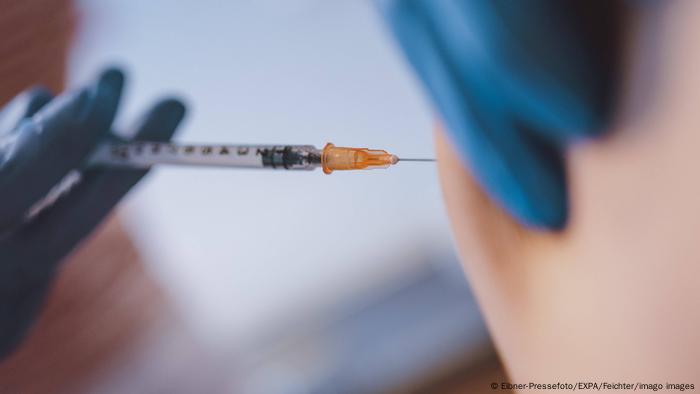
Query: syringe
{"points": [[143, 154], [285, 157]]}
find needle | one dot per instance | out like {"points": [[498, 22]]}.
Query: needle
{"points": [[402, 159]]}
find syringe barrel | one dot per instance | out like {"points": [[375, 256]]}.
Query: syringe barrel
{"points": [[147, 154]]}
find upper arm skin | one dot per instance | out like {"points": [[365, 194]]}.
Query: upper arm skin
{"points": [[615, 295]]}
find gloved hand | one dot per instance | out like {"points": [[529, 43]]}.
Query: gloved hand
{"points": [[44, 140], [515, 82]]}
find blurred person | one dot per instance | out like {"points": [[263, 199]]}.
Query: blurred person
{"points": [[582, 251]]}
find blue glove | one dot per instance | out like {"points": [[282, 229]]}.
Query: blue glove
{"points": [[515, 82], [51, 137]]}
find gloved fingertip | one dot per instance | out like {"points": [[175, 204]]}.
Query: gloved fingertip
{"points": [[71, 106], [111, 78], [171, 108], [109, 86], [161, 121], [21, 107], [105, 96], [38, 97]]}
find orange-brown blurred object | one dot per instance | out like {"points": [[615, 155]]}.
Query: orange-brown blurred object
{"points": [[35, 36]]}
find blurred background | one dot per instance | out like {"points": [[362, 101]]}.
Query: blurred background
{"points": [[274, 282]]}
